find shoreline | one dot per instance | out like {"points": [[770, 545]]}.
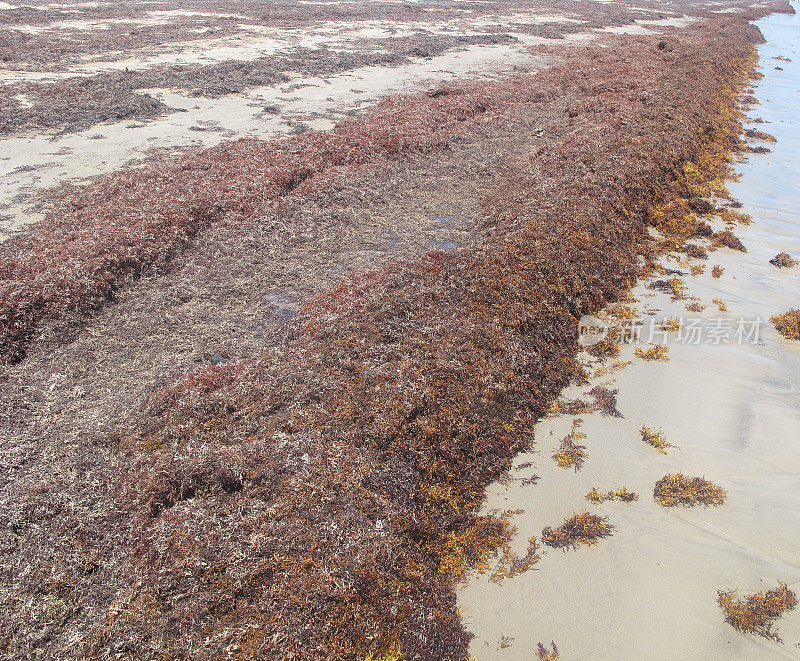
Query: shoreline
{"points": [[730, 410]]}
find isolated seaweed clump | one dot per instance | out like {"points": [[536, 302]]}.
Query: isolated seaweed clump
{"points": [[570, 453], [544, 654], [658, 352], [756, 613], [787, 324], [580, 529], [622, 494], [784, 260], [655, 438], [678, 489]]}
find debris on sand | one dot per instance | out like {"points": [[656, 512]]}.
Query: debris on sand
{"points": [[605, 401], [677, 489], [756, 613], [728, 239], [656, 352], [544, 654], [656, 439], [511, 565], [323, 500], [787, 324], [570, 453], [784, 260], [623, 495], [717, 271], [580, 529]]}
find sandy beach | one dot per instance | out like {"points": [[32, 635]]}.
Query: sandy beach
{"points": [[649, 591], [294, 298]]}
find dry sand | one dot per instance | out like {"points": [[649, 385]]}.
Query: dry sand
{"points": [[733, 410]]}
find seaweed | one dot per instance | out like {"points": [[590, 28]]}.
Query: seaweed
{"points": [[678, 489], [717, 271], [571, 454], [784, 261], [656, 352], [756, 613], [511, 565], [728, 239], [605, 401], [656, 439], [787, 324], [622, 495], [755, 134], [580, 529], [544, 654], [322, 500]]}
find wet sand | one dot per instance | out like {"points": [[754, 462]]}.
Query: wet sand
{"points": [[733, 410]]}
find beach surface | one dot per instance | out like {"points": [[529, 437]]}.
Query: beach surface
{"points": [[730, 405]]}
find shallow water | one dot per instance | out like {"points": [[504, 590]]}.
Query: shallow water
{"points": [[733, 410]]}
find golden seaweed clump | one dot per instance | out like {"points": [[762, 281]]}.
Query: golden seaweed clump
{"points": [[696, 307], [716, 271], [579, 529], [677, 489], [787, 324], [671, 324], [570, 454], [623, 495], [656, 439], [722, 306], [544, 654], [783, 260], [756, 613], [656, 352], [697, 269]]}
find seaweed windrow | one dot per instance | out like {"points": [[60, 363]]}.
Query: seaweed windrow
{"points": [[322, 501]]}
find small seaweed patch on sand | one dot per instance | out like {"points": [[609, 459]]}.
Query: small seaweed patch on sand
{"points": [[722, 306], [728, 239], [580, 529], [615, 366], [511, 565], [697, 269], [677, 489], [671, 324], [656, 352], [605, 401], [675, 287], [544, 654], [656, 439], [696, 307], [783, 260], [756, 613], [733, 217], [571, 454], [717, 271], [622, 495], [787, 324]]}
